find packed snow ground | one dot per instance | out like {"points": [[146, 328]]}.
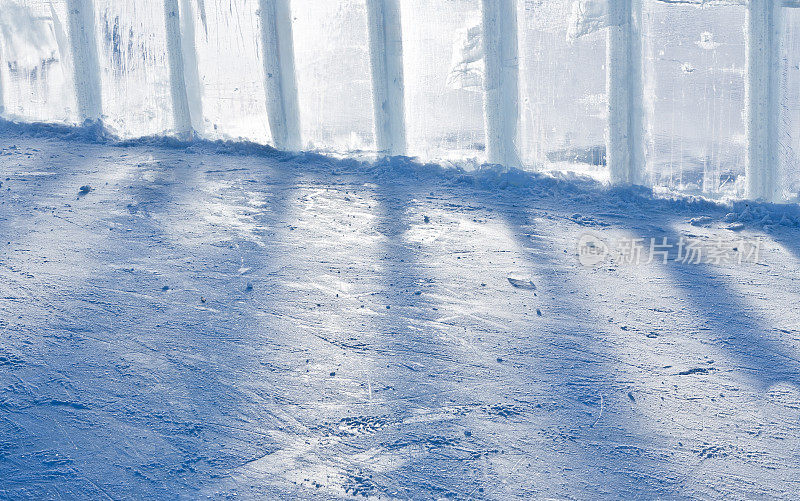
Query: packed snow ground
{"points": [[208, 324]]}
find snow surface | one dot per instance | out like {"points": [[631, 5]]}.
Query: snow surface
{"points": [[203, 323]]}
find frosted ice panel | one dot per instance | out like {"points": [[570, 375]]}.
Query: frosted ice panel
{"points": [[695, 82], [36, 61], [443, 79], [333, 74], [562, 86], [227, 38], [133, 61], [790, 132]]}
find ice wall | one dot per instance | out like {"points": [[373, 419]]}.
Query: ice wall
{"points": [[694, 71]]}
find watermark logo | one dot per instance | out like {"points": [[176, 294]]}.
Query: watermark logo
{"points": [[594, 251]]}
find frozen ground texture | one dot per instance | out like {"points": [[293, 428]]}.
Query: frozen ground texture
{"points": [[203, 324]]}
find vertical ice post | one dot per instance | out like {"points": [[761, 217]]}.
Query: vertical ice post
{"points": [[182, 120], [625, 141], [2, 94], [763, 98], [191, 72], [85, 62], [280, 80], [501, 82], [386, 58]]}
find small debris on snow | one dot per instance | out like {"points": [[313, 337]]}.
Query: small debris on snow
{"points": [[203, 300], [521, 282], [696, 370], [701, 221], [85, 189]]}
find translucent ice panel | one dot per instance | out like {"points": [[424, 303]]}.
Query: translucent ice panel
{"points": [[443, 78], [227, 39], [790, 134], [695, 82], [133, 61], [562, 87], [36, 62], [333, 74]]}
